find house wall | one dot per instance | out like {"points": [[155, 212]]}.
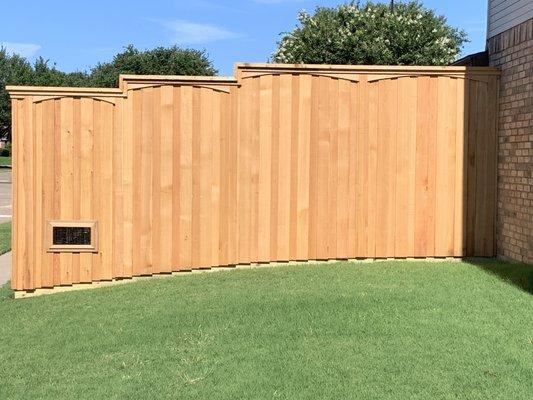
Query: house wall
{"points": [[512, 51], [505, 14]]}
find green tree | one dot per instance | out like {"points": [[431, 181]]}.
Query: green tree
{"points": [[159, 61], [371, 33], [45, 74]]}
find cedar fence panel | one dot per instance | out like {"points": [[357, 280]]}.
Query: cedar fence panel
{"points": [[280, 163]]}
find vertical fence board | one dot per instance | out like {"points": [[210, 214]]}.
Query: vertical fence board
{"points": [[106, 191], [405, 167], [176, 177], [332, 180], [265, 166], [57, 184], [117, 202], [48, 166], [206, 135], [155, 198], [313, 169], [372, 183], [302, 176], [386, 172], [76, 186], [359, 171], [461, 141], [284, 165], [293, 208], [137, 98], [166, 138], [67, 181], [186, 154], [86, 178], [15, 244], [274, 174], [37, 194], [323, 165], [127, 186]]}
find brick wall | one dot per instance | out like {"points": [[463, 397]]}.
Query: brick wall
{"points": [[512, 51]]}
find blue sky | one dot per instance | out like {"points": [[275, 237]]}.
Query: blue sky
{"points": [[77, 34]]}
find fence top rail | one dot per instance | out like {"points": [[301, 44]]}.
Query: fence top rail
{"points": [[389, 69]]}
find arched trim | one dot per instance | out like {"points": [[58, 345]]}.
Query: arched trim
{"points": [[345, 76], [38, 99], [218, 88]]}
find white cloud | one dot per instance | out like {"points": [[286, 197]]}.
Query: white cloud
{"points": [[22, 49], [186, 32]]}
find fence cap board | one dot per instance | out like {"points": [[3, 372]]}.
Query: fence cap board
{"points": [[19, 92], [372, 72], [369, 68]]}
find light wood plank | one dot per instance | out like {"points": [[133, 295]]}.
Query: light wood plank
{"points": [[166, 179], [48, 159], [303, 173], [67, 181], [445, 165], [155, 209], [333, 97], [105, 169], [343, 207], [206, 141], [293, 202], [405, 168], [265, 166], [372, 182], [323, 232], [86, 178], [186, 176], [284, 163], [127, 186], [37, 195], [274, 176], [176, 177], [76, 176], [137, 155], [146, 188]]}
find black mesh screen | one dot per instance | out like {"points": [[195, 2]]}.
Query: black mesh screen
{"points": [[74, 235]]}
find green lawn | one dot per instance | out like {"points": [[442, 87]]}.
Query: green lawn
{"points": [[5, 161], [387, 330], [5, 237]]}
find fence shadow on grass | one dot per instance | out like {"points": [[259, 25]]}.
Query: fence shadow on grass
{"points": [[517, 274]]}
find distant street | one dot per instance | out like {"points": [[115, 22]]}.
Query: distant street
{"points": [[5, 195]]}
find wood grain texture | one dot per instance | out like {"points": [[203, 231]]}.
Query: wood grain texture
{"points": [[291, 163]]}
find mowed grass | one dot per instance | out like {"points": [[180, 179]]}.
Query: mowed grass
{"points": [[385, 330], [5, 161], [5, 237]]}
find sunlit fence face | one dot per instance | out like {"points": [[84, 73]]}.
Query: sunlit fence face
{"points": [[281, 163]]}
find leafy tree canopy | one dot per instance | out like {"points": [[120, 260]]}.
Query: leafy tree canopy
{"points": [[159, 61], [371, 33]]}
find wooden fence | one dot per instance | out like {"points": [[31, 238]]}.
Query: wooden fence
{"points": [[282, 162]]}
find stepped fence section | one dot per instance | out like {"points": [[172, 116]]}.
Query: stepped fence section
{"points": [[279, 163]]}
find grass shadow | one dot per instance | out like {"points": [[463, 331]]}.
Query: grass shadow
{"points": [[6, 293], [515, 273]]}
